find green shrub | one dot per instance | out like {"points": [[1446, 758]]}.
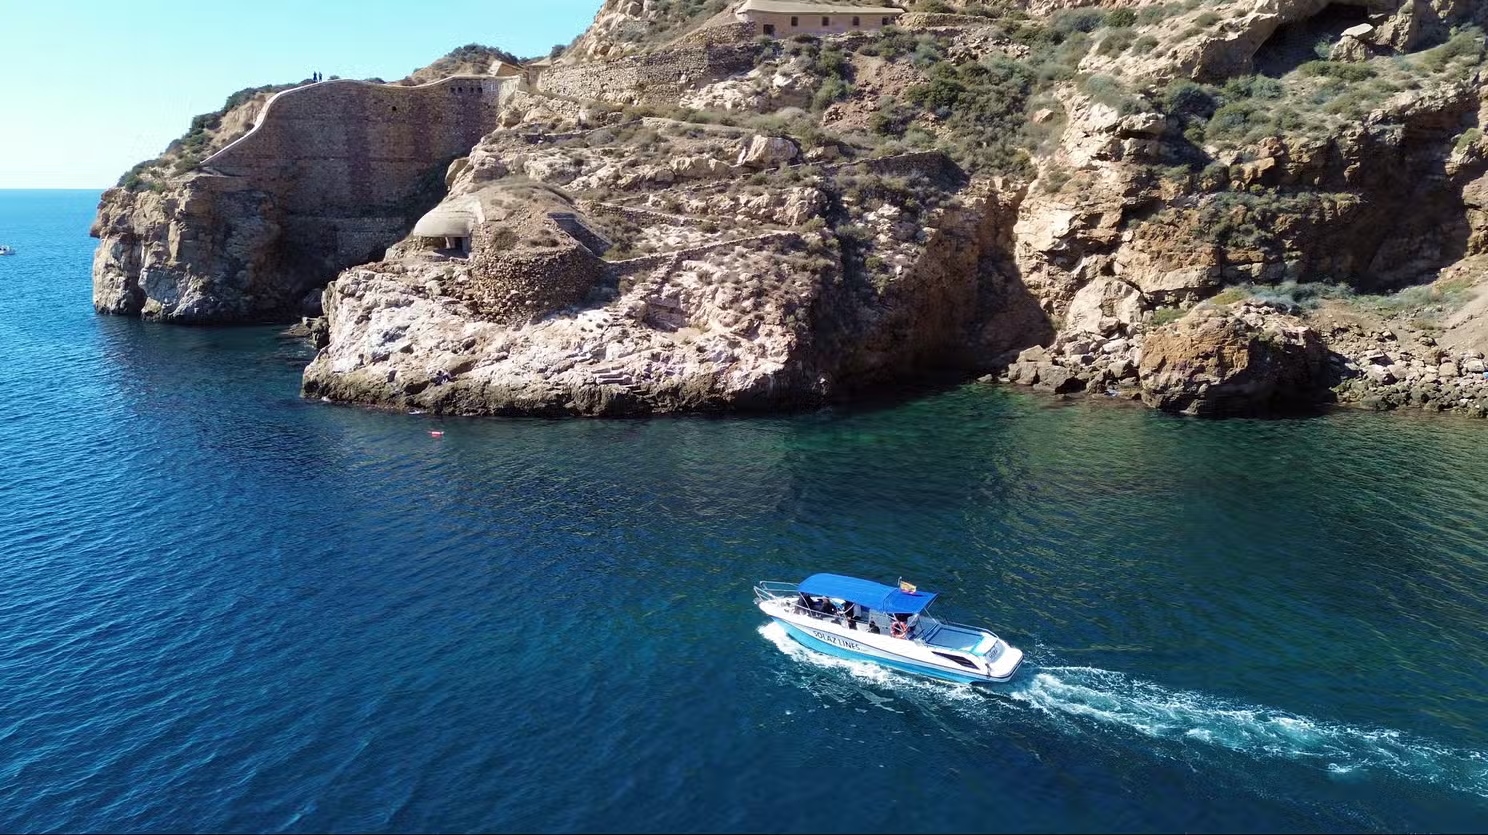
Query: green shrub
{"points": [[983, 107], [1110, 92], [1116, 41], [1054, 179], [1252, 87], [832, 90], [1166, 315], [1149, 15], [1186, 98], [891, 118], [1341, 70], [1070, 21], [1465, 43]]}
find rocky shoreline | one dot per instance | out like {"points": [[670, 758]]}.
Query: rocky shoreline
{"points": [[1257, 359], [679, 215]]}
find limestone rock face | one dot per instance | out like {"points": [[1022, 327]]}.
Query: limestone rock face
{"points": [[409, 337], [204, 252], [619, 28], [1217, 363], [736, 292]]}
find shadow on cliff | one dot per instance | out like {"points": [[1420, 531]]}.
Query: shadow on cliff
{"points": [[960, 311]]}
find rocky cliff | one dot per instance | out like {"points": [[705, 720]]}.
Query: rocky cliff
{"points": [[1220, 207], [287, 188]]}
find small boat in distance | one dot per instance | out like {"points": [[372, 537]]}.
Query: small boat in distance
{"points": [[860, 619], [6, 250]]}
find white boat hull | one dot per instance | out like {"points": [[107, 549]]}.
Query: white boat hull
{"points": [[996, 665]]}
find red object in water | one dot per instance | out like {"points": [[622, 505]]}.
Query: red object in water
{"points": [[436, 433]]}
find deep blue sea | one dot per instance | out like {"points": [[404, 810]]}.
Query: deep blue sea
{"points": [[223, 608]]}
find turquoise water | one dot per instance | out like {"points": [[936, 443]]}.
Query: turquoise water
{"points": [[224, 608]]}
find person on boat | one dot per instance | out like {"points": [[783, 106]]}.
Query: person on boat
{"points": [[900, 627], [850, 611], [831, 610]]}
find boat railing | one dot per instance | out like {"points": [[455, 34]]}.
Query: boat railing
{"points": [[774, 589], [779, 591]]}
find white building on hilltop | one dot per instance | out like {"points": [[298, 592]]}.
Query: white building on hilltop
{"points": [[783, 18]]}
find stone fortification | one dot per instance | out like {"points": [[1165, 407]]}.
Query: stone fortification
{"points": [[332, 174], [351, 146], [529, 283], [650, 78]]}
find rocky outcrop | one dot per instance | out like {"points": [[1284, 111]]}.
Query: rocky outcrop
{"points": [[747, 299], [768, 152], [1203, 44], [208, 250], [1218, 363], [680, 337]]}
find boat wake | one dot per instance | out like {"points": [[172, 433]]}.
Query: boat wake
{"points": [[1082, 700]]}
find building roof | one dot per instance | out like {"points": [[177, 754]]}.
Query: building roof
{"points": [[787, 7], [866, 593]]}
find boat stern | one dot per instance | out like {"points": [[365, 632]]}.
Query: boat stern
{"points": [[1006, 664]]}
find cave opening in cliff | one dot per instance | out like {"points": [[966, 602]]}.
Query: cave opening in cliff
{"points": [[1294, 44]]}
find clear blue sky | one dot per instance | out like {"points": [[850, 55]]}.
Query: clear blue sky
{"points": [[90, 87]]}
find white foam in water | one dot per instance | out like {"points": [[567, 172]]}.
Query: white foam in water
{"points": [[1188, 717], [1109, 699]]}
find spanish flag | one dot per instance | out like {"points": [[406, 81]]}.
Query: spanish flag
{"points": [[907, 587]]}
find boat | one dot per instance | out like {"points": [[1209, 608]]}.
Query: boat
{"points": [[5, 250], [864, 620]]}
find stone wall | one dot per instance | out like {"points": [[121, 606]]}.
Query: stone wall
{"points": [[344, 147], [736, 32], [652, 78], [528, 283], [587, 236], [348, 240], [930, 163], [633, 214], [939, 20], [330, 176]]}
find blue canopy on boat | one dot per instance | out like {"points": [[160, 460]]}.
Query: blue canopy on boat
{"points": [[866, 593]]}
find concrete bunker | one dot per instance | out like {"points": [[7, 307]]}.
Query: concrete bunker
{"points": [[448, 227]]}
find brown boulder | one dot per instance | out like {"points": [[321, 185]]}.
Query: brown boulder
{"points": [[1216, 363]]}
